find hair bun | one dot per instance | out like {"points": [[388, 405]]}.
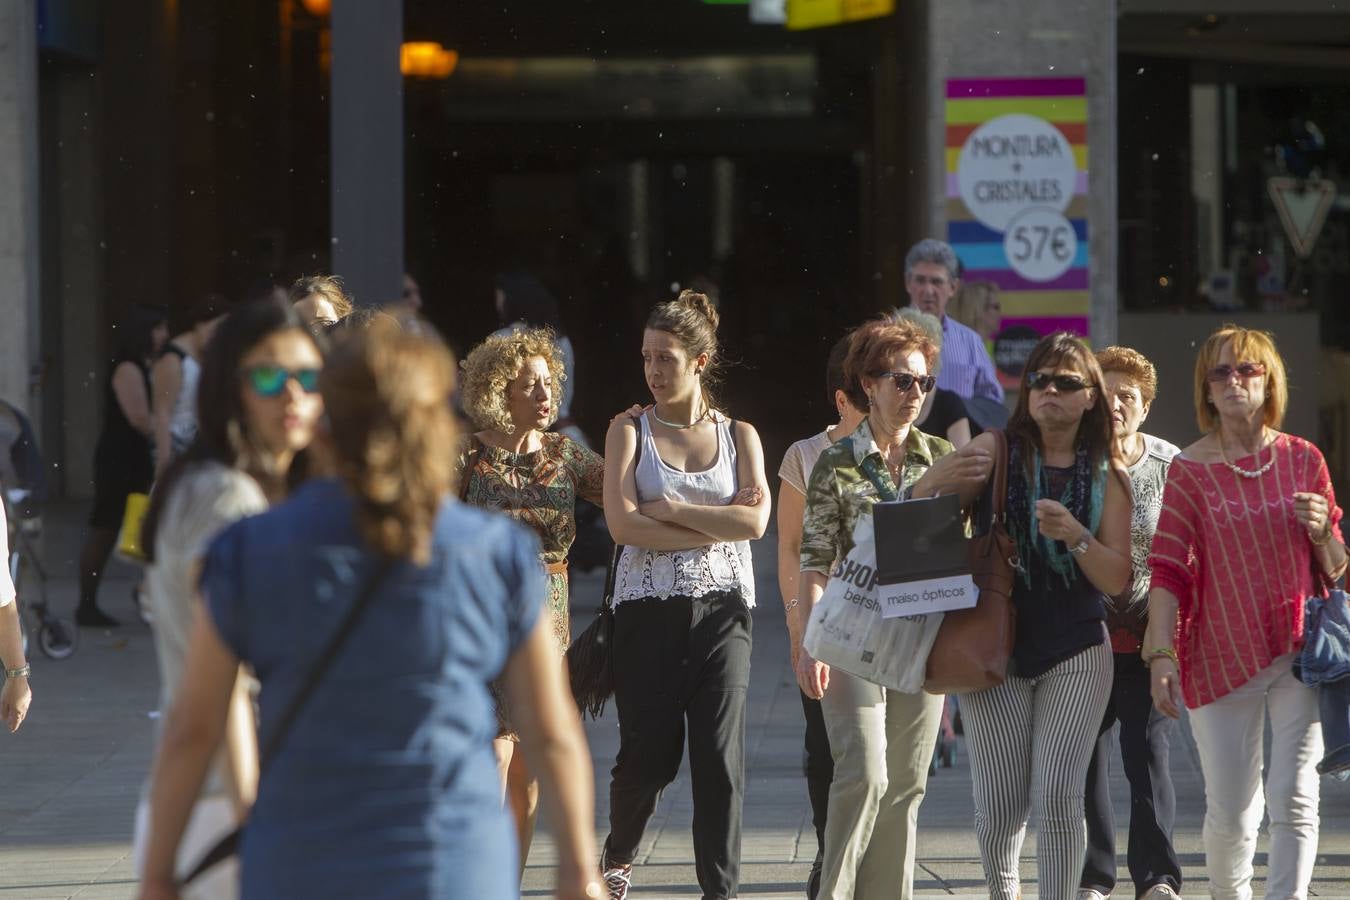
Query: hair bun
{"points": [[702, 303]]}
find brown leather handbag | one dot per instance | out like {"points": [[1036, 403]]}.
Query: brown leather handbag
{"points": [[973, 646]]}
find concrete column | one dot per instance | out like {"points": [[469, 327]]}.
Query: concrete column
{"points": [[19, 331], [1207, 172], [73, 278], [1039, 38], [367, 148]]}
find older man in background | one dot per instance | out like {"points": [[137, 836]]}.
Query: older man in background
{"points": [[931, 281]]}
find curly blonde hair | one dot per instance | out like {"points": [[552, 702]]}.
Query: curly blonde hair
{"points": [[386, 392], [495, 363]]}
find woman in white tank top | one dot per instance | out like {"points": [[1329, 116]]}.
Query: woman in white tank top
{"points": [[173, 381], [685, 493]]}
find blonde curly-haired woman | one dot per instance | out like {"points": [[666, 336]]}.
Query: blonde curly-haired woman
{"points": [[512, 388]]}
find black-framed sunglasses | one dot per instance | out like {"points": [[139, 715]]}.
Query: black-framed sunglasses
{"points": [[270, 381], [1220, 374], [1065, 384], [905, 380]]}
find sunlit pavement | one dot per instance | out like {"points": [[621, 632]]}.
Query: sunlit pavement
{"points": [[70, 779]]}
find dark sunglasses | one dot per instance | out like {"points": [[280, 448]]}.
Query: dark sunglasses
{"points": [[1220, 374], [1065, 384], [270, 381], [904, 381]]}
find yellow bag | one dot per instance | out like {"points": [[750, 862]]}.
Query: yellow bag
{"points": [[129, 538]]}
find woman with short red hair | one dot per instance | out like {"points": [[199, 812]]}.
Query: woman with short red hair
{"points": [[881, 740]]}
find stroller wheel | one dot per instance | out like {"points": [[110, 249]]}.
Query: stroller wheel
{"points": [[58, 638]]}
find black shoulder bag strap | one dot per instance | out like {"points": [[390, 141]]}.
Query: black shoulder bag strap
{"points": [[229, 845], [736, 445], [612, 572]]}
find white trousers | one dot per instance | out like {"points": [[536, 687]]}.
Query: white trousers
{"points": [[1229, 735]]}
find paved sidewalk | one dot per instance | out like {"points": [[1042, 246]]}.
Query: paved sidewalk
{"points": [[69, 780], [779, 842]]}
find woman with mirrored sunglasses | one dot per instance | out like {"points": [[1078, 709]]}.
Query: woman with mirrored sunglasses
{"points": [[1068, 511], [1249, 529], [881, 740], [258, 407], [383, 785]]}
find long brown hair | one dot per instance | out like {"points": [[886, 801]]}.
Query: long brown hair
{"points": [[386, 390], [223, 434], [1094, 431]]}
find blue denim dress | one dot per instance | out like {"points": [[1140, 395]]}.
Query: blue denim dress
{"points": [[386, 785]]}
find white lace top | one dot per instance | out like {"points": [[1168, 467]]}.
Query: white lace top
{"points": [[644, 574]]}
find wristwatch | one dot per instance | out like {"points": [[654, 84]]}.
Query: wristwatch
{"points": [[1083, 543], [19, 671]]}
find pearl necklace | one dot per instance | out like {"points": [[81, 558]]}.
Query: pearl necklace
{"points": [[1247, 473]]}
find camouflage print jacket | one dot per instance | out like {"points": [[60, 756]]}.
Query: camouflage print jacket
{"points": [[839, 491]]}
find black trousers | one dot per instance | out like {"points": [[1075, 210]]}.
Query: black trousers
{"points": [[1145, 734], [817, 766], [682, 665]]}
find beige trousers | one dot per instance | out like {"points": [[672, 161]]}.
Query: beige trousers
{"points": [[882, 742]]}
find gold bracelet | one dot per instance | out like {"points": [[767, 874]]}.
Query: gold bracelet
{"points": [[1162, 653], [1339, 572]]}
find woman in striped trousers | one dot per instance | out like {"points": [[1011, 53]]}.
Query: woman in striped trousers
{"points": [[1068, 509]]}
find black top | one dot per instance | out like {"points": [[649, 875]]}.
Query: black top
{"points": [[948, 409], [1054, 621], [120, 446]]}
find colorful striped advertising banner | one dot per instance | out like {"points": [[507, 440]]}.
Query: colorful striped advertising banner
{"points": [[1017, 180]]}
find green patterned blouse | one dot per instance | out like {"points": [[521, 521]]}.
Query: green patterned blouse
{"points": [[839, 491]]}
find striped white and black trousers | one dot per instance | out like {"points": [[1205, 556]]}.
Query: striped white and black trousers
{"points": [[1030, 742]]}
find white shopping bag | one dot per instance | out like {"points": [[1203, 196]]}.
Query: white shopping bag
{"points": [[847, 630]]}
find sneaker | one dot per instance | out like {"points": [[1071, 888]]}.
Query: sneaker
{"points": [[618, 877], [1091, 894], [1161, 892]]}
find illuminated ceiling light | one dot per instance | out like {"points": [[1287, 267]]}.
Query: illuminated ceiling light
{"points": [[1204, 24], [426, 59], [319, 8]]}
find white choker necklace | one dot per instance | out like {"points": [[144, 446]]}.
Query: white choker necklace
{"points": [[676, 425]]}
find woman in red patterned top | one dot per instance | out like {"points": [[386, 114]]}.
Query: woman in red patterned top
{"points": [[1249, 529], [512, 389]]}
